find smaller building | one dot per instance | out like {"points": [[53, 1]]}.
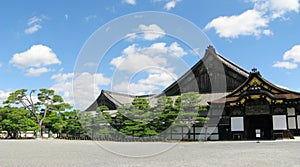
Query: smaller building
{"points": [[258, 109]]}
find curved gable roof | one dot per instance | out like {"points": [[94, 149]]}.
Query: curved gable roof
{"points": [[256, 84], [210, 56]]}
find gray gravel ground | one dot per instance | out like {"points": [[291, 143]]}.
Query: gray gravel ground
{"points": [[64, 153]]}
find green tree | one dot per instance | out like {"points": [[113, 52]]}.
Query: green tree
{"points": [[134, 120], [47, 101], [86, 120], [164, 112], [14, 120], [54, 121], [102, 108], [71, 123], [189, 105], [139, 119], [103, 126]]}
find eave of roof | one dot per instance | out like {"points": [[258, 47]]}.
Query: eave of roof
{"points": [[121, 99], [282, 93]]}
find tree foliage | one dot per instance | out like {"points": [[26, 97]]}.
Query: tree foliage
{"points": [[14, 120], [31, 111], [139, 119], [189, 106], [94, 123], [40, 106]]}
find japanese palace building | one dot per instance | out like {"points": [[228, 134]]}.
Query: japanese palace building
{"points": [[246, 106]]}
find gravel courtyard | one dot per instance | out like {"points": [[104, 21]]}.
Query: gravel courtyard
{"points": [[64, 153]]}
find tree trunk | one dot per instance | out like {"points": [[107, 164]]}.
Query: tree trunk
{"points": [[15, 135], [39, 131]]}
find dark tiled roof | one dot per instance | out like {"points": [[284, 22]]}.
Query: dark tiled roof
{"points": [[120, 99]]}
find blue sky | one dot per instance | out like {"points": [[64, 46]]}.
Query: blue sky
{"points": [[40, 43]]}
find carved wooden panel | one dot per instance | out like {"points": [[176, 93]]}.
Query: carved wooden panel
{"points": [[236, 111], [279, 110], [257, 107]]}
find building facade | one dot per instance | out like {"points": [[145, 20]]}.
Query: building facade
{"points": [[245, 106], [258, 109]]}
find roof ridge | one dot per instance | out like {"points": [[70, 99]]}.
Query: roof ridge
{"points": [[232, 63], [108, 95], [130, 95], [118, 93]]}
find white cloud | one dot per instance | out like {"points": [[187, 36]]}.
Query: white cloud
{"points": [[152, 84], [136, 62], [34, 24], [153, 62], [276, 8], [293, 54], [3, 95], [37, 71], [136, 58], [90, 65], [32, 29], [86, 88], [131, 2], [285, 64], [267, 32], [36, 56], [170, 5], [34, 20], [35, 59], [176, 50], [0, 65], [79, 87], [131, 36], [150, 32], [159, 78], [62, 77], [66, 16], [250, 22], [90, 17], [254, 21], [134, 89], [63, 86], [286, 5], [99, 79]]}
